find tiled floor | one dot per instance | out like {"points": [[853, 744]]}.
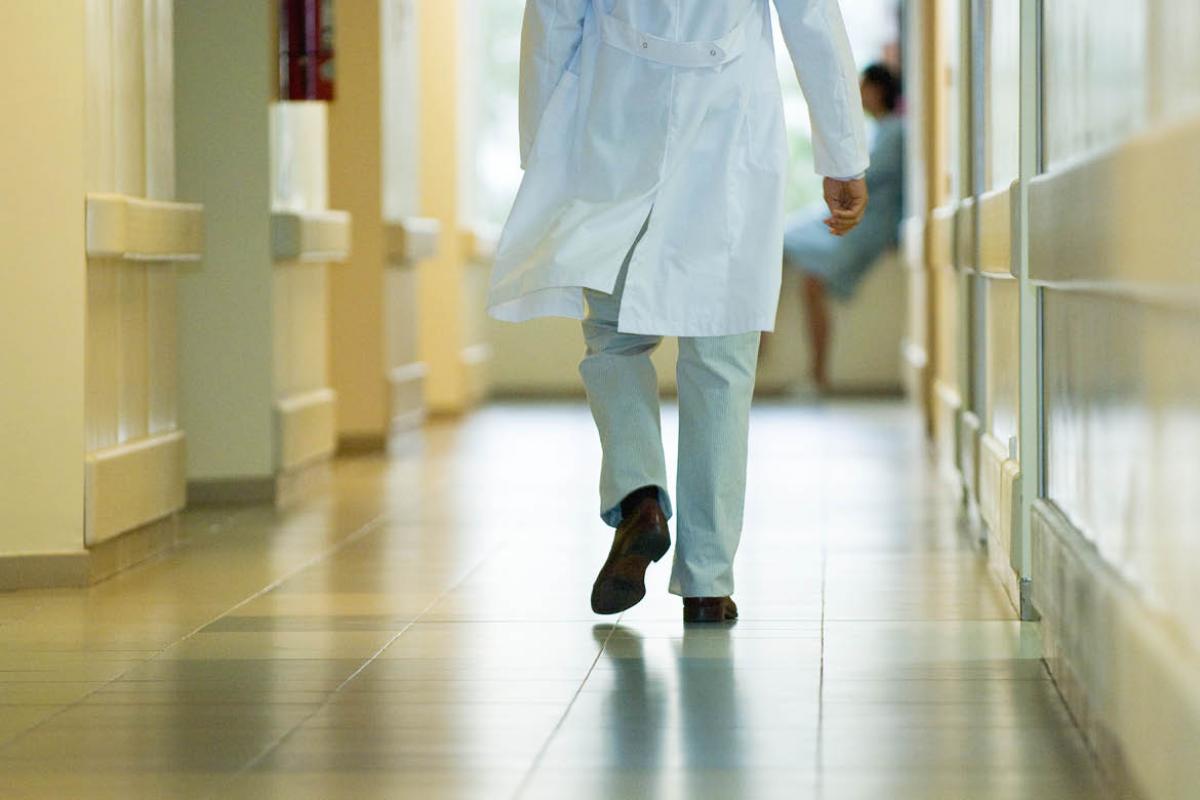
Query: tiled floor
{"points": [[422, 630]]}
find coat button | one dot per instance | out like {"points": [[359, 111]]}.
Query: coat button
{"points": [[645, 45], [712, 53]]}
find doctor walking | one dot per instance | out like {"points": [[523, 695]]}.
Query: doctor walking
{"points": [[653, 143]]}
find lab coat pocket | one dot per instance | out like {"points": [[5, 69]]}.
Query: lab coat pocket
{"points": [[556, 129]]}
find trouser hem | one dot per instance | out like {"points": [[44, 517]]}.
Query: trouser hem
{"points": [[612, 516]]}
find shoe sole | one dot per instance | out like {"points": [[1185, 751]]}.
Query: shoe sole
{"points": [[708, 615], [622, 585]]}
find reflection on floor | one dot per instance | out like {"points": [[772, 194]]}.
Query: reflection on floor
{"points": [[422, 630]]}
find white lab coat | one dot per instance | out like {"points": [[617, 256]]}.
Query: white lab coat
{"points": [[669, 109]]}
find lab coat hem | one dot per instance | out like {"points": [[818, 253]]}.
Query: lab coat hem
{"points": [[567, 303]]}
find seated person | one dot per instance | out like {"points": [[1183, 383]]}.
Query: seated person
{"points": [[833, 264]]}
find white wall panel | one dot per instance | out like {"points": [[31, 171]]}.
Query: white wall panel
{"points": [[1002, 92], [98, 143], [129, 98], [1175, 84], [1003, 367], [130, 363], [1096, 68], [299, 164], [102, 361], [132, 341], [300, 182], [162, 402], [1123, 439], [159, 62], [400, 89]]}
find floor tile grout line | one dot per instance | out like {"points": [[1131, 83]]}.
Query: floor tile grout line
{"points": [[230, 780], [523, 786], [316, 559]]}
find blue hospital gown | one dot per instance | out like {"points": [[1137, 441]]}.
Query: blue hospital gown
{"points": [[842, 262]]}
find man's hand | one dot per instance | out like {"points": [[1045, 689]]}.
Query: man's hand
{"points": [[847, 200]]}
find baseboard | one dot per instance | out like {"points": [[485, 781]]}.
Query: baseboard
{"points": [[132, 547], [1132, 683], [231, 491], [96, 563], [131, 485], [352, 444], [44, 570], [305, 429]]}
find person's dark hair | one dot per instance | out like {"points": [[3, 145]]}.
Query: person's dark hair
{"points": [[887, 81]]}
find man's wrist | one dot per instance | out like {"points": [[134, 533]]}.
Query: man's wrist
{"points": [[857, 177]]}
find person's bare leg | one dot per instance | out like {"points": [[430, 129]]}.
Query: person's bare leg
{"points": [[816, 308]]}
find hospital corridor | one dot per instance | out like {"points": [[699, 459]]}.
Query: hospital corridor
{"points": [[291, 508]]}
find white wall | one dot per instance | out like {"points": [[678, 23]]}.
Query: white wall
{"points": [[225, 320], [300, 182]]}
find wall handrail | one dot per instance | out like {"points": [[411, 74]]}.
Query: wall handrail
{"points": [[308, 236], [411, 239], [140, 229]]}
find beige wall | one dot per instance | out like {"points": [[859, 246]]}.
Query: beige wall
{"points": [[442, 284], [42, 286], [357, 299], [374, 173]]}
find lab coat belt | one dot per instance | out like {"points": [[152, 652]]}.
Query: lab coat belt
{"points": [[620, 34]]}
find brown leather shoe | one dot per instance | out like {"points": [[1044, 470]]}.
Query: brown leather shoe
{"points": [[709, 609], [641, 537]]}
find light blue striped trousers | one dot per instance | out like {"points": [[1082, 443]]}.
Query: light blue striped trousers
{"points": [[715, 375]]}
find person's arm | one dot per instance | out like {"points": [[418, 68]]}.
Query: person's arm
{"points": [[550, 36], [816, 39]]}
